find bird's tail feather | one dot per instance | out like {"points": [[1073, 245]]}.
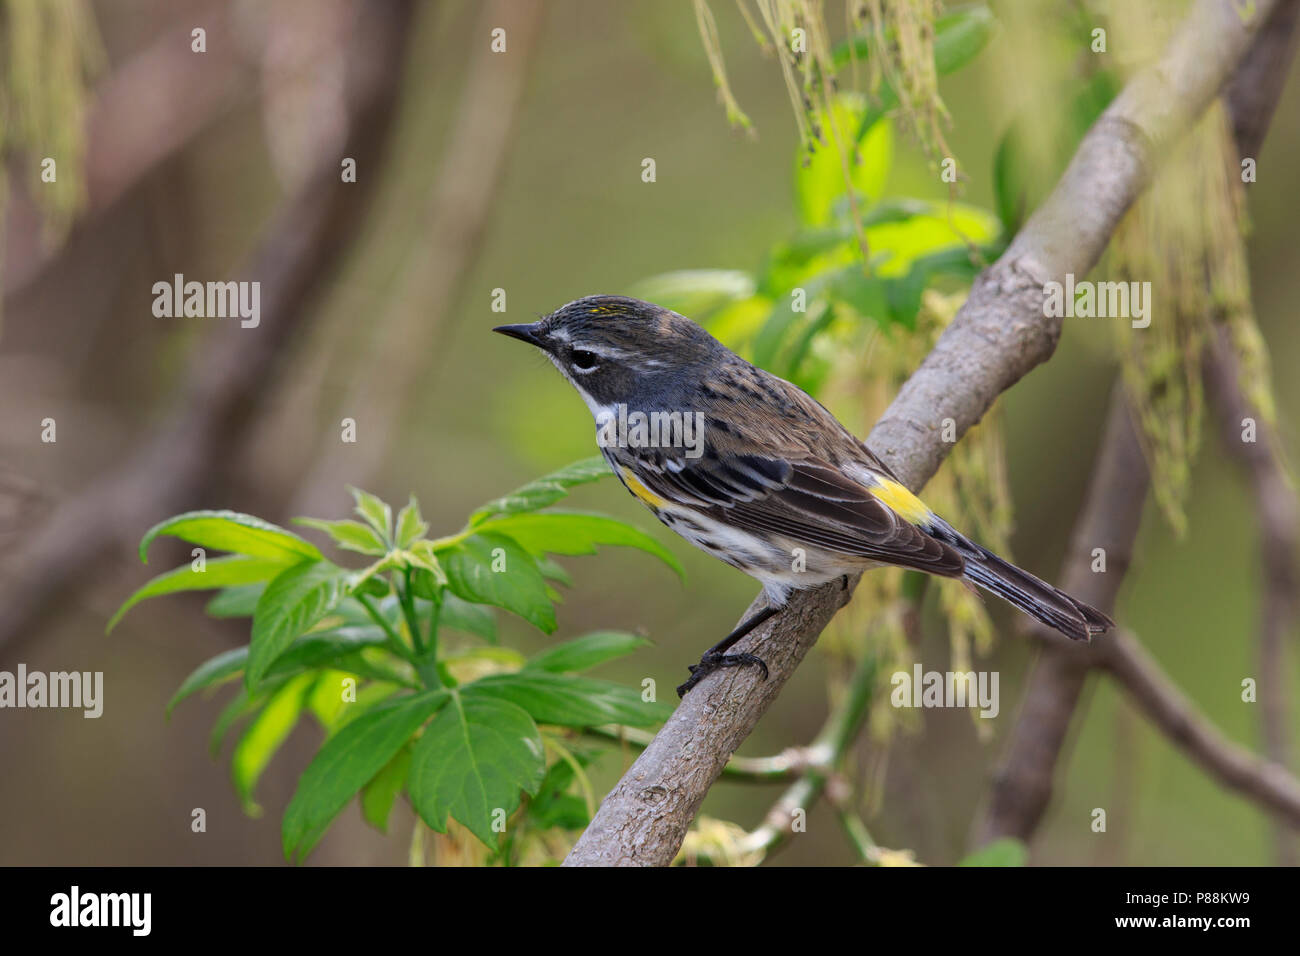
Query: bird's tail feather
{"points": [[1037, 598]]}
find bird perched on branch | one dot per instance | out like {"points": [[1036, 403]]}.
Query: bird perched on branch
{"points": [[753, 470]]}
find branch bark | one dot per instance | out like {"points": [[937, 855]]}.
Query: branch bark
{"points": [[1278, 520], [1257, 85], [292, 263], [997, 337]]}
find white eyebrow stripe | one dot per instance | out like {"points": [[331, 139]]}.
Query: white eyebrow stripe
{"points": [[604, 351]]}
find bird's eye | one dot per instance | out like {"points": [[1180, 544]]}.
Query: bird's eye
{"points": [[584, 360]]}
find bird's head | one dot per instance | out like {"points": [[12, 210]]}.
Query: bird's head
{"points": [[615, 349]]}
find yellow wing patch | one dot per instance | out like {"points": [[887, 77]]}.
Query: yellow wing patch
{"points": [[905, 504], [640, 490]]}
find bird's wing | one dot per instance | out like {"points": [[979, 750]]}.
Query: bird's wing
{"points": [[807, 500]]}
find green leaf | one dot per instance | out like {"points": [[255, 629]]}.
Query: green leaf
{"points": [[427, 586], [240, 706], [553, 571], [471, 618], [263, 737], [553, 806], [218, 573], [326, 700], [289, 607], [379, 794], [767, 343], [231, 531], [576, 532], [215, 670], [819, 182], [328, 647], [570, 701], [338, 647], [368, 697], [544, 491], [517, 585], [503, 658], [347, 762], [586, 652], [423, 556], [946, 226], [377, 513], [410, 526], [959, 36], [813, 251], [1007, 851], [472, 761], [236, 602], [348, 534]]}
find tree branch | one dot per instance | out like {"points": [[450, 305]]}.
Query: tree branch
{"points": [[998, 336], [1257, 85]]}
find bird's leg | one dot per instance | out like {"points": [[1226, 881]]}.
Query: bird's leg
{"points": [[716, 657]]}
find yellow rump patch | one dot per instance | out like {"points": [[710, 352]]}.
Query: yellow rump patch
{"points": [[640, 490], [905, 504]]}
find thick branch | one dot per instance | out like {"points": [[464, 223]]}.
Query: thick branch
{"points": [[998, 336]]}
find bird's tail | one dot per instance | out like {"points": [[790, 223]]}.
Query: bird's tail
{"points": [[1037, 598]]}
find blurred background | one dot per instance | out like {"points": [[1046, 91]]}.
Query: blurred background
{"points": [[519, 171]]}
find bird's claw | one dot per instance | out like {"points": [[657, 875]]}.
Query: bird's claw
{"points": [[712, 662]]}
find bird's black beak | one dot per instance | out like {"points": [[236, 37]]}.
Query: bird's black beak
{"points": [[525, 333]]}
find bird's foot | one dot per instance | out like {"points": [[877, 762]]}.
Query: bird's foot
{"points": [[713, 661]]}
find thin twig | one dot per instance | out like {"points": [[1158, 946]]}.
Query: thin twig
{"points": [[825, 755]]}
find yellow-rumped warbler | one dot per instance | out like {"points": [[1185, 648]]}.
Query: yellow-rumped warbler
{"points": [[755, 471]]}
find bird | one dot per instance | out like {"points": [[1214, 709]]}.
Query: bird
{"points": [[755, 471]]}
